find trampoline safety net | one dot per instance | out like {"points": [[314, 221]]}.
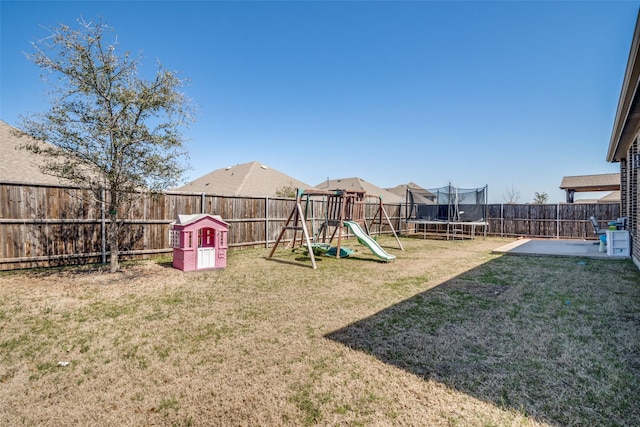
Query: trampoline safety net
{"points": [[450, 204]]}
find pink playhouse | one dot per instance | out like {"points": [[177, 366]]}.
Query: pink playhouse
{"points": [[199, 242]]}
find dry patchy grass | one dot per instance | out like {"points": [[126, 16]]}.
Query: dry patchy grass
{"points": [[448, 334]]}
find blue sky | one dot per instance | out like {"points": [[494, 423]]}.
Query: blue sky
{"points": [[511, 94]]}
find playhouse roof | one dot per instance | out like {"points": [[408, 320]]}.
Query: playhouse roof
{"points": [[247, 179], [189, 219], [357, 184]]}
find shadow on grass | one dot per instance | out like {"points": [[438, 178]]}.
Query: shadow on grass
{"points": [[300, 258], [299, 261], [556, 339]]}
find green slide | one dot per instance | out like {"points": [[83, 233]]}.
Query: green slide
{"points": [[368, 241]]}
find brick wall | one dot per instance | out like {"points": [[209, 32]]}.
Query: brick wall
{"points": [[624, 188], [632, 172]]}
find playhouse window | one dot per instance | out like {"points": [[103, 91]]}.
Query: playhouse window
{"points": [[205, 237], [174, 239]]}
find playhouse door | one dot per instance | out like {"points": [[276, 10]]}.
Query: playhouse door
{"points": [[206, 258]]}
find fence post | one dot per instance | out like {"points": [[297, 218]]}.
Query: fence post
{"points": [[202, 203], [557, 220], [501, 220], [266, 222]]}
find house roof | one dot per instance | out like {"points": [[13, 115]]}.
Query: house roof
{"points": [[627, 120], [357, 184], [421, 193], [20, 166], [247, 179], [600, 182], [612, 197], [401, 190]]}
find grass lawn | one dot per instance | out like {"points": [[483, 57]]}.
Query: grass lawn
{"points": [[446, 335]]}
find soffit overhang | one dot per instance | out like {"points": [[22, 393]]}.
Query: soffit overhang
{"points": [[627, 120]]}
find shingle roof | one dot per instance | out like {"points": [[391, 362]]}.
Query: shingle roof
{"points": [[601, 182], [247, 179], [612, 197], [357, 184], [18, 165], [401, 190]]}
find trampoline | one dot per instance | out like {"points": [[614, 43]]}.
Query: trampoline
{"points": [[447, 211]]}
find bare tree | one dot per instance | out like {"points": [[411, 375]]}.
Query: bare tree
{"points": [[107, 128], [511, 195]]}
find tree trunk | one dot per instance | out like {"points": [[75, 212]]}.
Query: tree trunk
{"points": [[113, 242]]}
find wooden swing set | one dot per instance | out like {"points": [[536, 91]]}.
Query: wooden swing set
{"points": [[340, 208]]}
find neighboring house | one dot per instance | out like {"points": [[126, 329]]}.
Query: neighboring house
{"points": [[251, 179], [592, 183], [613, 197], [357, 184], [19, 166], [624, 146], [424, 195]]}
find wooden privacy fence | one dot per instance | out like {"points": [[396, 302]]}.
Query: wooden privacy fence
{"points": [[563, 220], [47, 226]]}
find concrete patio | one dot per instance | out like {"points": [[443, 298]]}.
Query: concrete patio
{"points": [[556, 247]]}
